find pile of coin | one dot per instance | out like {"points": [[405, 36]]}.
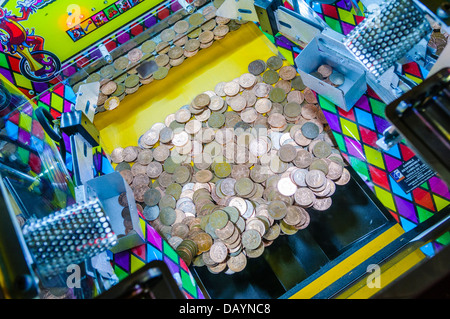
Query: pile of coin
{"points": [[182, 39], [240, 165], [329, 75]]}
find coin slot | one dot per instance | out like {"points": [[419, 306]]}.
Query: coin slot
{"points": [[85, 149], [245, 11], [284, 24], [86, 110]]}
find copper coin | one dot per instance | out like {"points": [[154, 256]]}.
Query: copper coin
{"points": [[127, 176], [209, 25], [277, 120], [162, 47], [287, 153], [345, 177], [295, 96], [304, 197], [222, 20], [206, 37], [315, 178], [335, 170], [109, 88], [167, 35], [287, 72], [249, 96], [322, 204], [181, 26], [180, 41], [325, 70], [138, 169], [303, 159], [204, 176], [237, 103], [237, 263], [294, 215], [221, 30], [123, 201], [263, 105], [135, 55], [189, 54], [285, 85], [175, 52], [139, 192], [309, 111], [162, 60], [204, 243], [309, 96]]}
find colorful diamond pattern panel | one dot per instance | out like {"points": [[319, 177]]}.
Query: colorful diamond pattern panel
{"points": [[156, 248], [26, 130], [357, 131], [60, 99]]}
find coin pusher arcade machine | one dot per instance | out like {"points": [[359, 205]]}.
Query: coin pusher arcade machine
{"points": [[53, 220]]}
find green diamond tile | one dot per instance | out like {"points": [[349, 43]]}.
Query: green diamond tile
{"points": [[359, 166], [327, 105], [340, 142], [188, 283], [377, 107], [334, 24], [121, 274], [168, 250], [4, 61]]}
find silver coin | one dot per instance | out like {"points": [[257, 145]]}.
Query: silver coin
{"points": [[151, 212]]}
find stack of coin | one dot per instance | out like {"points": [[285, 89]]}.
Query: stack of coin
{"points": [[329, 75], [237, 167], [183, 38]]}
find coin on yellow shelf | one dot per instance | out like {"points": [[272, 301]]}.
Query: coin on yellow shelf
{"points": [[112, 103]]}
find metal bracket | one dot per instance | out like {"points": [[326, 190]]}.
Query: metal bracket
{"points": [[87, 98], [390, 138], [105, 53], [187, 6], [296, 26], [83, 161], [240, 10]]}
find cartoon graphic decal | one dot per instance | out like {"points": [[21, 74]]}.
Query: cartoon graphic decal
{"points": [[76, 32], [123, 5], [100, 19], [111, 12], [36, 64]]}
